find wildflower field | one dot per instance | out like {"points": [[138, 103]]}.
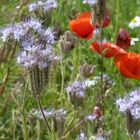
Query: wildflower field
{"points": [[69, 70]]}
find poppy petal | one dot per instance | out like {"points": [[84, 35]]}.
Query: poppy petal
{"points": [[128, 65], [82, 28], [109, 49]]}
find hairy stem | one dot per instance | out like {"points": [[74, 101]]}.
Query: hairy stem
{"points": [[42, 112], [62, 76], [24, 127], [71, 122]]}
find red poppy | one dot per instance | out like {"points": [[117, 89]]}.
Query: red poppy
{"points": [[107, 48], [82, 26], [128, 65], [123, 39]]}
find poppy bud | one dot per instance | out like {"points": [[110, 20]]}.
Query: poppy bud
{"points": [[123, 39], [67, 42], [87, 70]]}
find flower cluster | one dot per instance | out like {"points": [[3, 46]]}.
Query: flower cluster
{"points": [[77, 88], [45, 6], [35, 42], [17, 31], [131, 103], [91, 2], [76, 93], [37, 51], [128, 63]]}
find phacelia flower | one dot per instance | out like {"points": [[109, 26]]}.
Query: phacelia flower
{"points": [[45, 6], [50, 4], [123, 39], [129, 65], [131, 102], [90, 2], [36, 51], [35, 6], [17, 31], [76, 93], [81, 136], [108, 49], [82, 26]]}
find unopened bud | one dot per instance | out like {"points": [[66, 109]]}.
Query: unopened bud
{"points": [[67, 42], [87, 70], [123, 39]]}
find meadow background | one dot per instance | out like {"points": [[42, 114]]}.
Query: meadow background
{"points": [[121, 13]]}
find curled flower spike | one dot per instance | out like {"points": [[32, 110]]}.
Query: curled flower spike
{"points": [[128, 65], [82, 26], [107, 48], [123, 39]]}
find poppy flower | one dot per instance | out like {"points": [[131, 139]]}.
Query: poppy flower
{"points": [[107, 48], [82, 26], [123, 39], [128, 65]]}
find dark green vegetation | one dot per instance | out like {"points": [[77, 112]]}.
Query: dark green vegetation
{"points": [[121, 13]]}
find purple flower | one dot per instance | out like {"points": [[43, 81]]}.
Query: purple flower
{"points": [[91, 2], [17, 31], [130, 102], [90, 118], [50, 4], [35, 6], [77, 88], [45, 6], [32, 23], [26, 60], [47, 35], [37, 50], [7, 32]]}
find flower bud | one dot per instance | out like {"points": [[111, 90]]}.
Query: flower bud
{"points": [[87, 70], [123, 39], [67, 42], [76, 93]]}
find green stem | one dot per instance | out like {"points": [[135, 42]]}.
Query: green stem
{"points": [[117, 16], [72, 129], [38, 129], [24, 95], [24, 121], [25, 129], [71, 122], [62, 77]]}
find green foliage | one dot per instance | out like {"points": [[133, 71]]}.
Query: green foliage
{"points": [[121, 12]]}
